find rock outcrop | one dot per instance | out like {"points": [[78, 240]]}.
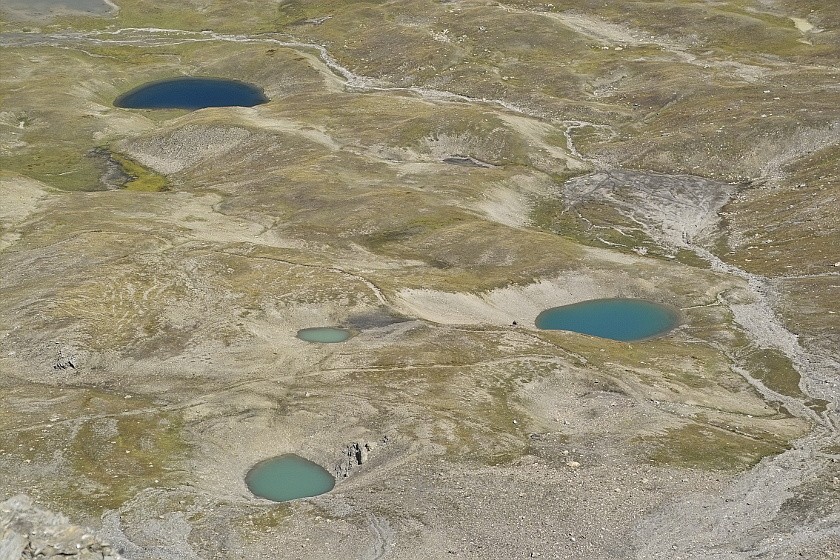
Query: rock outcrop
{"points": [[356, 454]]}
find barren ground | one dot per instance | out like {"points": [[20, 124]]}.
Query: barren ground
{"points": [[426, 174]]}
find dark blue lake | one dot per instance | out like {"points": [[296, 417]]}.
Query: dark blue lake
{"points": [[617, 319], [191, 93], [288, 477]]}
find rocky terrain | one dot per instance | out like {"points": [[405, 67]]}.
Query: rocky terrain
{"points": [[30, 532], [430, 175]]}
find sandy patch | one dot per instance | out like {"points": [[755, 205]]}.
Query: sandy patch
{"points": [[537, 133], [600, 30], [597, 29], [505, 206], [198, 214], [510, 203], [501, 306], [20, 197], [252, 118], [802, 24]]}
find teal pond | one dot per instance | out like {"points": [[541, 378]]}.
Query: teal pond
{"points": [[616, 319], [327, 335], [288, 477]]}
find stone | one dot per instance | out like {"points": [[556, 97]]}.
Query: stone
{"points": [[28, 532]]}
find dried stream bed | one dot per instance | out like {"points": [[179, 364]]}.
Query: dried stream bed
{"points": [[150, 335]]}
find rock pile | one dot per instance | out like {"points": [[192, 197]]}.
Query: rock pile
{"points": [[28, 533], [356, 454]]}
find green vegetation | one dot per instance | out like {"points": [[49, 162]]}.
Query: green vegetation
{"points": [[102, 448], [600, 225], [268, 518], [774, 370], [62, 166], [785, 229], [114, 458], [142, 179], [712, 448]]}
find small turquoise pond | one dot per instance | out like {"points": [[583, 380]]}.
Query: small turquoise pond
{"points": [[191, 93], [617, 319], [323, 334], [288, 477]]}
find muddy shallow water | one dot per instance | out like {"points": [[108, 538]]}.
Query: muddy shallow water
{"points": [[324, 335]]}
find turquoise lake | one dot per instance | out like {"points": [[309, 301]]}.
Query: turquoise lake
{"points": [[616, 319], [327, 335], [288, 477], [192, 93]]}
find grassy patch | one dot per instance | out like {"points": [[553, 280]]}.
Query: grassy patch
{"points": [[789, 229], [711, 448], [473, 408], [268, 518], [100, 447], [817, 405], [114, 458], [832, 449], [59, 165], [600, 225], [142, 179], [775, 370]]}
